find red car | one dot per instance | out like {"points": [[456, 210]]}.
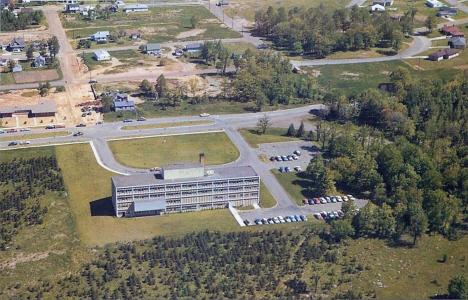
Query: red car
{"points": [[12, 130], [317, 201]]}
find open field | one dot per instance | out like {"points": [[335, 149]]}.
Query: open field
{"points": [[34, 136], [156, 25], [443, 68], [295, 184], [272, 135], [167, 125], [266, 198], [159, 151], [36, 76], [7, 78]]}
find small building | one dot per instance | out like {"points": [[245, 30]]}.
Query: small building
{"points": [[452, 31], [222, 3], [458, 42], [192, 48], [377, 8], [153, 49], [443, 54], [39, 62], [434, 3], [44, 108], [133, 34], [72, 8], [17, 68], [135, 8], [100, 55], [100, 36], [178, 52], [437, 56], [383, 2], [112, 8], [120, 3], [446, 12], [122, 102], [450, 53], [17, 45]]}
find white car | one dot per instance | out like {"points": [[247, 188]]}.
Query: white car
{"points": [[204, 115], [25, 129], [297, 168]]}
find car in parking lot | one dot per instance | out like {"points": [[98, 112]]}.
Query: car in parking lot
{"points": [[333, 199], [83, 115], [281, 169], [287, 169], [311, 202], [13, 130], [272, 158], [247, 223], [264, 221], [297, 168], [50, 127], [99, 123], [79, 133], [258, 222], [303, 218], [278, 158], [318, 216], [204, 115], [317, 200], [92, 81], [276, 220], [284, 158], [298, 218], [270, 221], [294, 156], [297, 152]]}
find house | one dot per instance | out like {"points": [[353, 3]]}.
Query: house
{"points": [[191, 48], [133, 34], [3, 62], [122, 102], [452, 31], [135, 7], [222, 3], [153, 49], [100, 55], [446, 11], [178, 52], [18, 68], [377, 7], [443, 54], [433, 3], [39, 62], [100, 36], [458, 42], [17, 45], [72, 8], [383, 2]]}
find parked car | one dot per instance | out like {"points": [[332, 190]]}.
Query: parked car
{"points": [[204, 115], [281, 169], [292, 219], [50, 127], [99, 123], [287, 169], [317, 200], [303, 218], [141, 119], [1, 131], [289, 157], [333, 199], [264, 221], [128, 120], [297, 152], [298, 218], [338, 198], [328, 199], [93, 81], [79, 133], [13, 130], [294, 156], [25, 129], [284, 158], [83, 115], [297, 168], [12, 143], [270, 221], [81, 125], [323, 200], [318, 216], [311, 202], [345, 198], [247, 223], [278, 158], [258, 222], [305, 201], [272, 158]]}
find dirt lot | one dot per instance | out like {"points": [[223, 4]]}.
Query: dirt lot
{"points": [[35, 76], [28, 36]]}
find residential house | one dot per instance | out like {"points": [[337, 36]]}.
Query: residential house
{"points": [[452, 31], [112, 8], [383, 2], [122, 102], [446, 12], [100, 36], [192, 48], [39, 62], [72, 8], [443, 54], [451, 53], [135, 7], [178, 52], [434, 3], [458, 42], [377, 8], [3, 62], [100, 55], [18, 68], [17, 45], [120, 4], [222, 3], [153, 49], [133, 34]]}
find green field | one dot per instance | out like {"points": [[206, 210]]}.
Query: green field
{"points": [[34, 136], [266, 198], [157, 25], [92, 63], [7, 78], [295, 184], [159, 151], [272, 135], [167, 125]]}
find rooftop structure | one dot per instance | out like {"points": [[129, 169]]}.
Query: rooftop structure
{"points": [[101, 55], [135, 7], [44, 108], [434, 3]]}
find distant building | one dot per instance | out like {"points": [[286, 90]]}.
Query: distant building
{"points": [[434, 3], [100, 55], [452, 31], [44, 108], [100, 36], [377, 8], [446, 12], [122, 102], [135, 8], [383, 2], [178, 52], [191, 48], [153, 49], [443, 54], [458, 42], [17, 45], [72, 8], [182, 187], [17, 68], [39, 62]]}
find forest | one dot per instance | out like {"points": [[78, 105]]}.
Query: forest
{"points": [[24, 20], [318, 33]]}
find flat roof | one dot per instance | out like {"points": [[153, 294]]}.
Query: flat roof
{"points": [[151, 178], [42, 107], [124, 103], [101, 52], [182, 165]]}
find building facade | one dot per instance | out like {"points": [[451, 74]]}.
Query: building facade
{"points": [[184, 187]]}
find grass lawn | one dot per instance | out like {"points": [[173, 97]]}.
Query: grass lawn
{"points": [[266, 198], [167, 125], [157, 25], [92, 63], [34, 136], [272, 135], [159, 151], [7, 78], [295, 184], [443, 69]]}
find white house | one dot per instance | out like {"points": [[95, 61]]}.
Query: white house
{"points": [[434, 3], [377, 7], [135, 7], [153, 49], [39, 62], [100, 36], [101, 55]]}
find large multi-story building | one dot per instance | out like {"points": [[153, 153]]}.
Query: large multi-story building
{"points": [[184, 187]]}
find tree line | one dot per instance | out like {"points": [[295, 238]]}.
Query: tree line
{"points": [[24, 20]]}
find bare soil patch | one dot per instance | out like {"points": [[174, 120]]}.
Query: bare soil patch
{"points": [[28, 36], [35, 76], [350, 74], [189, 33], [21, 258]]}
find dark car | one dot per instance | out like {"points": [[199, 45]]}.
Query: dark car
{"points": [[128, 120], [12, 144], [311, 201], [247, 223], [281, 169], [141, 119], [262, 46], [258, 222], [50, 127], [81, 125]]}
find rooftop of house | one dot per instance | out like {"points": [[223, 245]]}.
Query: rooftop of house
{"points": [[124, 103], [101, 52], [153, 47], [17, 41], [150, 179], [458, 40]]}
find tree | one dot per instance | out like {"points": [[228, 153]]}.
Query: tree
{"points": [[145, 86], [430, 22], [161, 86], [54, 46], [458, 287], [30, 52], [107, 103], [316, 279], [300, 131], [10, 66], [417, 222], [341, 229], [263, 124], [194, 20], [397, 41], [291, 130], [193, 85], [44, 89]]}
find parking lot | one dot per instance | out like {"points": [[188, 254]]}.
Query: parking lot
{"points": [[306, 149]]}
